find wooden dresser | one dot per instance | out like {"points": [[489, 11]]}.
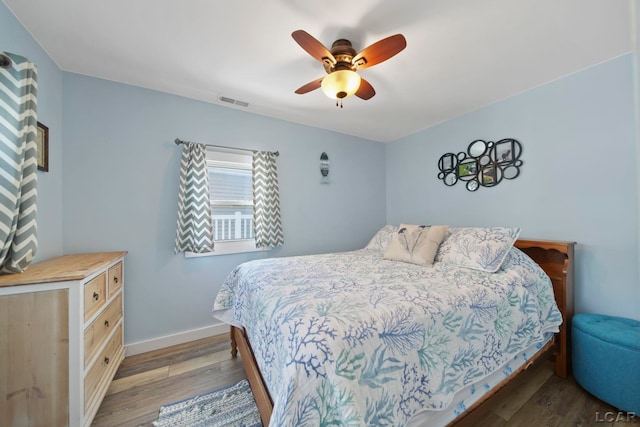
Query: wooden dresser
{"points": [[61, 339]]}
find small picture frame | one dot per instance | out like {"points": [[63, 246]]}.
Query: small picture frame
{"points": [[467, 168], [446, 162], [489, 176], [42, 141], [504, 152]]}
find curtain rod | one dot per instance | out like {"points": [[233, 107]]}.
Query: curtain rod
{"points": [[178, 141]]}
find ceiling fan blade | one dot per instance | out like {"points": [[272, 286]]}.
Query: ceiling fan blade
{"points": [[379, 51], [365, 91], [309, 86], [313, 46]]}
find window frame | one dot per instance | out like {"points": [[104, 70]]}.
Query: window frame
{"points": [[234, 160]]}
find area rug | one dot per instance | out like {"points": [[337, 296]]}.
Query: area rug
{"points": [[230, 406]]}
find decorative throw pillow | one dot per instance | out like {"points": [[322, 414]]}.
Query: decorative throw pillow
{"points": [[478, 248], [416, 244], [382, 238]]}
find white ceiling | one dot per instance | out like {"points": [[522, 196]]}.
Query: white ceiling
{"points": [[461, 54]]}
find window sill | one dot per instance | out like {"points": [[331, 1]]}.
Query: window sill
{"points": [[228, 248]]}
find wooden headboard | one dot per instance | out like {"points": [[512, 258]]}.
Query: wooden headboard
{"points": [[556, 259]]}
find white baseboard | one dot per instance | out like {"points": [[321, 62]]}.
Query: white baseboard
{"points": [[175, 339]]}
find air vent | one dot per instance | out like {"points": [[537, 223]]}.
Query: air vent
{"points": [[233, 101]]}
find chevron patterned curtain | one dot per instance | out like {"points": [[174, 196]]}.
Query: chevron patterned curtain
{"points": [[266, 201], [18, 162], [194, 232]]}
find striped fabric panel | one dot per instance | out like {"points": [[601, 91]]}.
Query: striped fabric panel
{"points": [[266, 201], [18, 164], [194, 231]]}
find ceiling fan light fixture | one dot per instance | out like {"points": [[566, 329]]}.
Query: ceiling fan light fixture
{"points": [[341, 84]]}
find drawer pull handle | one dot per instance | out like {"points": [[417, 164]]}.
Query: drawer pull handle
{"points": [[106, 360], [115, 280], [106, 323], [96, 296]]}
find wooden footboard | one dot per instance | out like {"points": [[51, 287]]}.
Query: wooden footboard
{"points": [[555, 258], [240, 341], [472, 415]]}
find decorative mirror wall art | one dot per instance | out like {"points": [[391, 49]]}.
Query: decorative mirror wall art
{"points": [[484, 164]]}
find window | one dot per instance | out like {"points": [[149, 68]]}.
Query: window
{"points": [[231, 200], [231, 190]]}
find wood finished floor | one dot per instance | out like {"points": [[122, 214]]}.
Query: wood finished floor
{"points": [[146, 381]]}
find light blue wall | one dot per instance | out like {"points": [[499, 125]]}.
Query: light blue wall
{"points": [[113, 162], [15, 39], [635, 28], [578, 181], [121, 170]]}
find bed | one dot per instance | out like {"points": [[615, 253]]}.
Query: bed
{"points": [[355, 339]]}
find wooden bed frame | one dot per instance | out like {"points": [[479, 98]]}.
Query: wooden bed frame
{"points": [[555, 258]]}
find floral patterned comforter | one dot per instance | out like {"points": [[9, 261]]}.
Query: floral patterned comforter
{"points": [[352, 339]]}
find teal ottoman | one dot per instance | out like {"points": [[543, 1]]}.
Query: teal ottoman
{"points": [[606, 358]]}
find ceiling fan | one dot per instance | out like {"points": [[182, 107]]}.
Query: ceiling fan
{"points": [[342, 62]]}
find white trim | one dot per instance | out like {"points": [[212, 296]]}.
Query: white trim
{"points": [[230, 165], [232, 203], [228, 247], [226, 159], [175, 339]]}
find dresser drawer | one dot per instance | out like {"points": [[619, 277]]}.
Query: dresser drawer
{"points": [[106, 362], [114, 279], [95, 295], [101, 327]]}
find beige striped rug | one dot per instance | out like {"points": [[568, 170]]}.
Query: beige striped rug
{"points": [[229, 406]]}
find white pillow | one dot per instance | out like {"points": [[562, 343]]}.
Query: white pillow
{"points": [[478, 248], [382, 238], [416, 244]]}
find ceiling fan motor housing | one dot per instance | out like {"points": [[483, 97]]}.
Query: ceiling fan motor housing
{"points": [[343, 52]]}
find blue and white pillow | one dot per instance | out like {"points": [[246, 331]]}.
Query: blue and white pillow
{"points": [[382, 238], [478, 248]]}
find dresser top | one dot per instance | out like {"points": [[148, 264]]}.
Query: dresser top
{"points": [[62, 268]]}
